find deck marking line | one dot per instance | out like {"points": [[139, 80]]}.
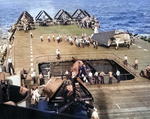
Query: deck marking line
{"points": [[32, 69], [31, 52], [31, 55], [31, 64], [31, 49], [139, 46], [133, 44], [31, 46], [118, 106], [145, 49], [31, 59]]}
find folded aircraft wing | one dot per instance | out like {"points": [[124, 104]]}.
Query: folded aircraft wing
{"points": [[103, 37]]}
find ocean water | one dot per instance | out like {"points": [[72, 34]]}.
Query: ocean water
{"points": [[131, 15]]}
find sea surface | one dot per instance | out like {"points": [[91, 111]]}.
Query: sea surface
{"points": [[131, 15]]}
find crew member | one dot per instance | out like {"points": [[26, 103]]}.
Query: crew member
{"points": [[41, 79], [96, 78], [31, 34], [48, 38], [58, 39], [148, 70], [36, 95], [41, 38], [10, 65], [53, 37], [67, 74], [110, 77], [102, 74], [90, 76], [33, 75], [58, 54], [136, 64], [60, 36], [85, 72], [118, 76]]}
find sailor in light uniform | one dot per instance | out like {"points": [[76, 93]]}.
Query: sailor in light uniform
{"points": [[58, 54], [48, 38], [10, 65], [41, 38]]}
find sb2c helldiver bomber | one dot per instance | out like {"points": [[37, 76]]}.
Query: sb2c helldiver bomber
{"points": [[114, 38], [63, 96]]}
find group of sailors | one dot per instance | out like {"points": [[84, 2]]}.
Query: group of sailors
{"points": [[79, 42], [86, 75], [98, 77], [84, 24], [88, 23], [69, 39], [58, 38], [145, 73], [135, 62]]}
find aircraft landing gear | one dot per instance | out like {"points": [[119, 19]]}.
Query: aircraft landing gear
{"points": [[117, 47], [128, 46]]}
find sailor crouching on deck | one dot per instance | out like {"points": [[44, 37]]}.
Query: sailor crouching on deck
{"points": [[10, 65]]}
